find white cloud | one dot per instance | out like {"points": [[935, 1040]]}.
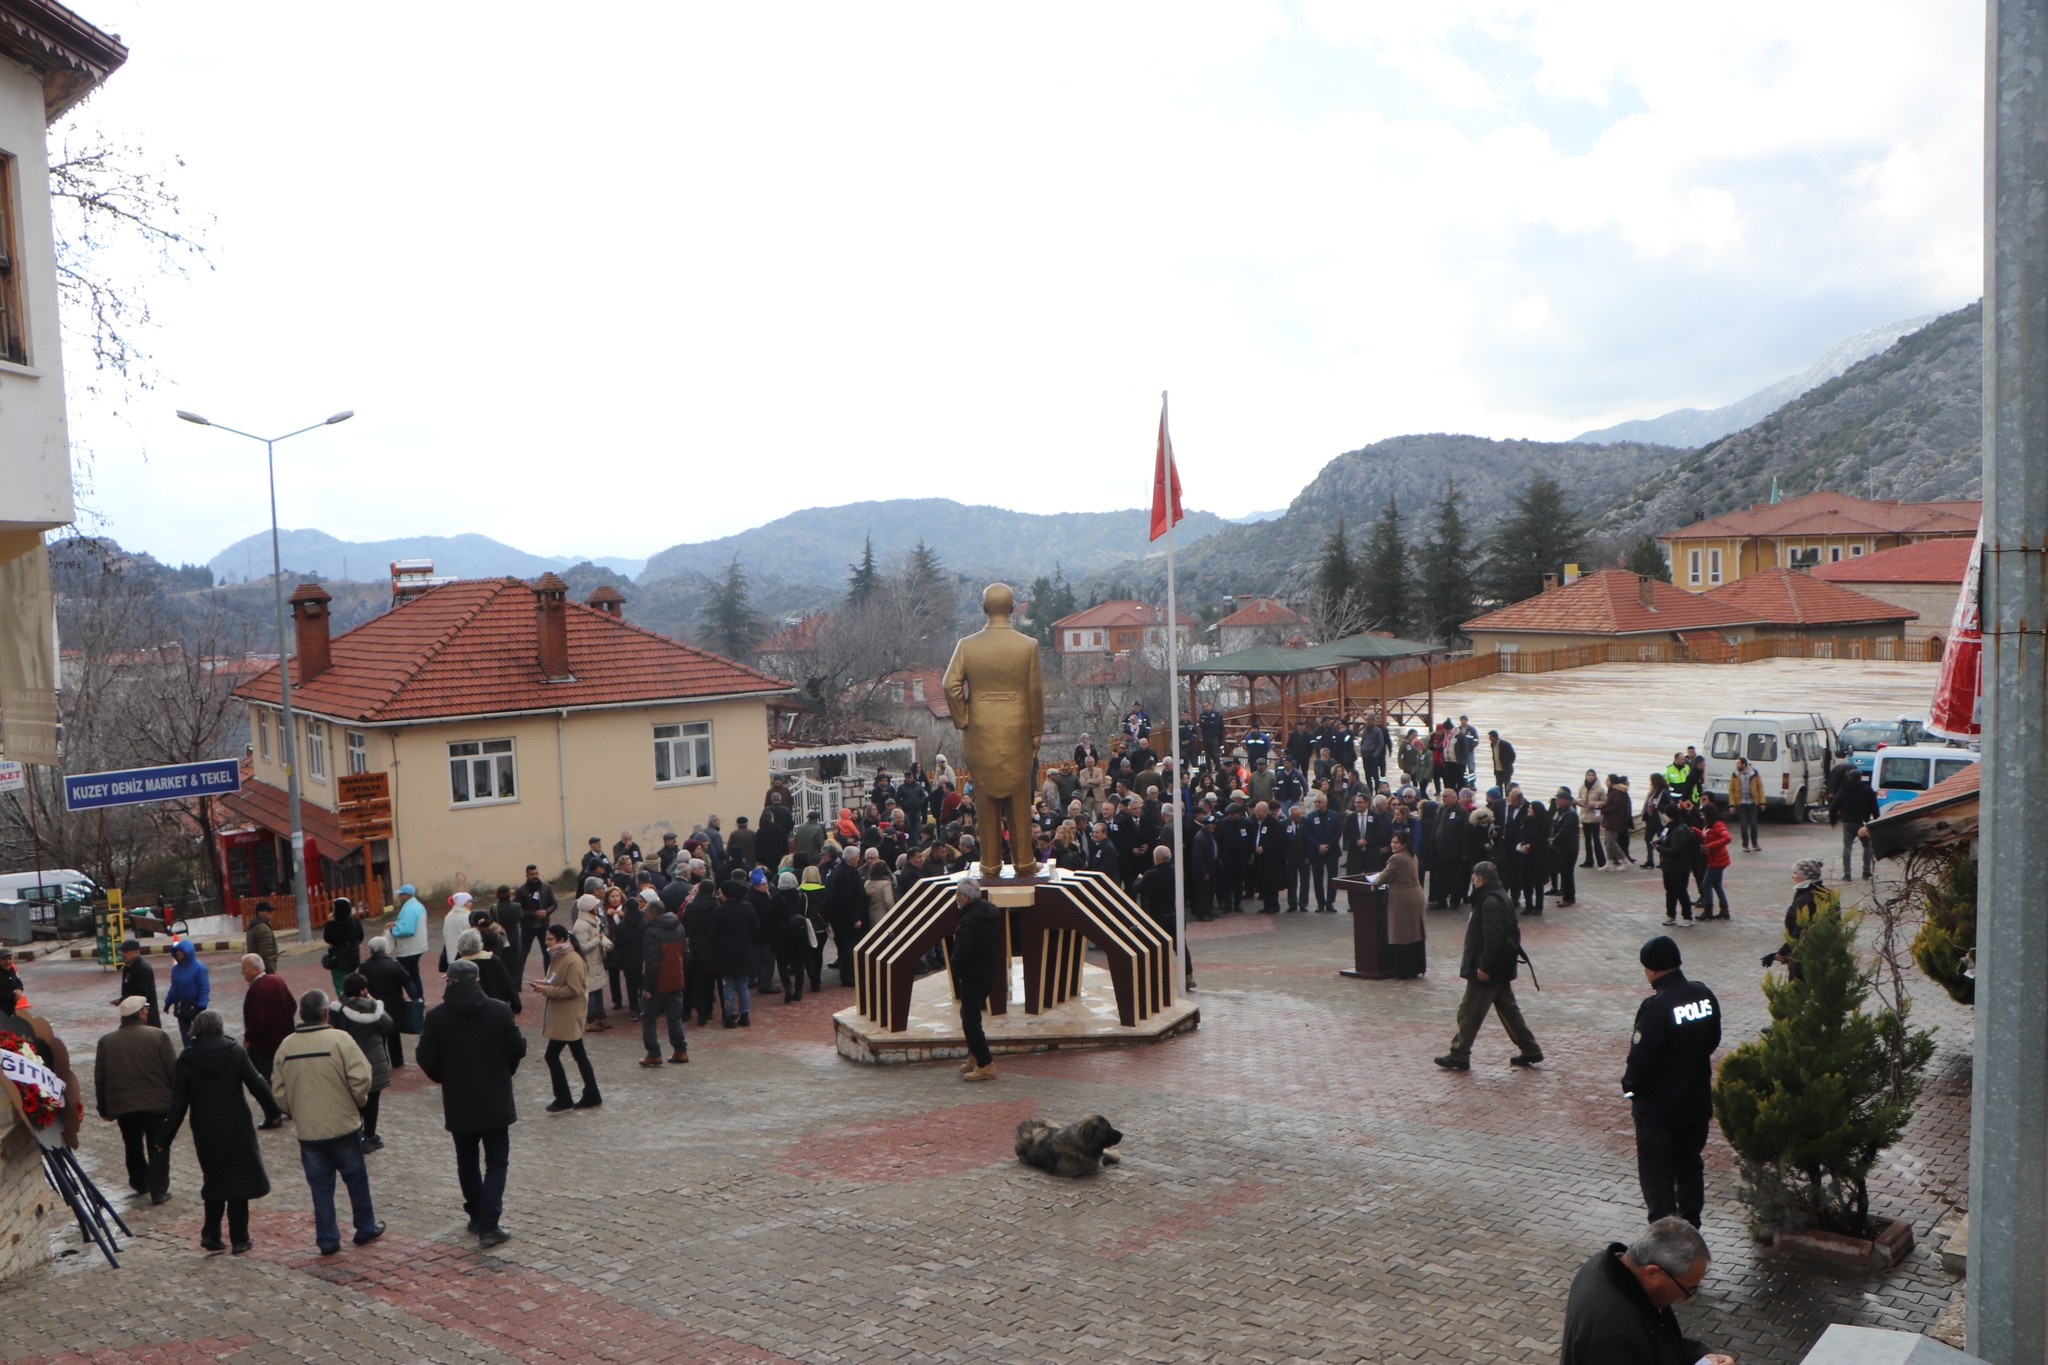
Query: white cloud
{"points": [[690, 267]]}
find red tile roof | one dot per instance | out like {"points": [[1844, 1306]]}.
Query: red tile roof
{"points": [[1829, 513], [1927, 561], [1790, 597], [1608, 602], [259, 803], [1262, 611], [471, 648], [1126, 614]]}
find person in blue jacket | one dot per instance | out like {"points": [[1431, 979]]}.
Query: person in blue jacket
{"points": [[191, 989]]}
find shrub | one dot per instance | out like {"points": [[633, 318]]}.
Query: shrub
{"points": [[1946, 946], [1810, 1103]]}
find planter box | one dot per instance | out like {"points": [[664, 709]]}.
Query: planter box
{"points": [[1881, 1252]]}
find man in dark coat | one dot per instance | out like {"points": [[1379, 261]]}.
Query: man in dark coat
{"points": [[1155, 897], [978, 969], [846, 905], [138, 979], [735, 928], [1269, 857], [771, 840], [1493, 945], [1854, 806], [665, 968], [470, 1047], [700, 926], [1527, 840], [1564, 845], [133, 1070], [536, 901], [1619, 1310], [1233, 858], [209, 1082], [269, 1012], [1669, 1081]]}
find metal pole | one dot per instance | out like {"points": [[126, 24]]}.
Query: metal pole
{"points": [[1180, 812], [2008, 1299], [291, 730]]}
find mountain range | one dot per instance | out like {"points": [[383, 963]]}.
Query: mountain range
{"points": [[1690, 427], [316, 552]]}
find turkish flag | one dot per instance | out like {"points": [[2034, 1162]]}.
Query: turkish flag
{"points": [[1165, 482]]}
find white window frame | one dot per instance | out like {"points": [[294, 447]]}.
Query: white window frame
{"points": [[1855, 552], [316, 748], [1713, 566], [262, 733], [1834, 554], [358, 751], [684, 747], [496, 759], [1692, 566]]}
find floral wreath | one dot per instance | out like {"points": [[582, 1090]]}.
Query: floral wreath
{"points": [[38, 1094]]}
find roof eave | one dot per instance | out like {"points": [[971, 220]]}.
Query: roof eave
{"points": [[71, 56]]}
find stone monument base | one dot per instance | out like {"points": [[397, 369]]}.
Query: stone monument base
{"points": [[1087, 1020]]}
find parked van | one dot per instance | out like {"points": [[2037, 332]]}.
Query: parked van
{"points": [[1908, 770], [1789, 750], [47, 887], [1866, 737]]}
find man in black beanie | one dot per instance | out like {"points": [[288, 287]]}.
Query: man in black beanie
{"points": [[1669, 1079]]}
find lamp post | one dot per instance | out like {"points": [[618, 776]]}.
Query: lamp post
{"points": [[284, 663]]}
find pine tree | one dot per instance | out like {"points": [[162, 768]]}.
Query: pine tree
{"points": [[1061, 601], [728, 621], [1807, 1105], [1946, 945], [1383, 578], [1534, 537], [1448, 597], [1339, 572], [1647, 559], [928, 602], [864, 577]]}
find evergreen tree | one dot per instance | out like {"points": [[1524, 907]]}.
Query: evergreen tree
{"points": [[864, 577], [1339, 572], [1060, 602], [1647, 559], [1534, 537], [1946, 946], [928, 602], [1808, 1105], [1448, 597], [727, 619], [1383, 578]]}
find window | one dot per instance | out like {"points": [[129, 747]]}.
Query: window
{"points": [[1855, 551], [1834, 554], [316, 750], [13, 322], [481, 771], [1713, 566], [263, 734], [1763, 748], [682, 753], [1903, 775], [1945, 768], [1692, 566], [358, 752], [1098, 637], [1726, 744]]}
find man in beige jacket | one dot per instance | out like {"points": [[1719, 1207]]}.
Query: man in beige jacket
{"points": [[322, 1079]]}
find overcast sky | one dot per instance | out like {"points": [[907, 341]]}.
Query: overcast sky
{"points": [[601, 279]]}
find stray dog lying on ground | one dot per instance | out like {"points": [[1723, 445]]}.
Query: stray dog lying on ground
{"points": [[1076, 1149]]}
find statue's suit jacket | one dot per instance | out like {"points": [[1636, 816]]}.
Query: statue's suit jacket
{"points": [[998, 702]]}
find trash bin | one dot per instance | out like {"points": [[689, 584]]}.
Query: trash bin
{"points": [[16, 922]]}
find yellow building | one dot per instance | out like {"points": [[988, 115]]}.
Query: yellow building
{"points": [[514, 725], [1814, 529]]}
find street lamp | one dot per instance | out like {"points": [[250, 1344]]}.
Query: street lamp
{"points": [[284, 666]]}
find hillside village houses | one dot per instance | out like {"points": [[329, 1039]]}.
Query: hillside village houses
{"points": [[1815, 528], [1117, 627], [1925, 577], [514, 725], [50, 59], [1259, 621]]}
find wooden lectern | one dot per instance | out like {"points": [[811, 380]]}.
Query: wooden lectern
{"points": [[1370, 961]]}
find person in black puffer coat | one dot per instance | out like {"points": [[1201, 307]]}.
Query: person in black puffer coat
{"points": [[733, 927], [700, 927], [389, 983], [794, 937]]}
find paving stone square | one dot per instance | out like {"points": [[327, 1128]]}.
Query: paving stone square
{"points": [[1299, 1182]]}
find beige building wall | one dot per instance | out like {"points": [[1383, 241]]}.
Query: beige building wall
{"points": [[579, 774], [35, 449], [1936, 603]]}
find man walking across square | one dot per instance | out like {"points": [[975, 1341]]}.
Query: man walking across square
{"points": [[321, 1079], [470, 1047], [1493, 944], [132, 1073]]}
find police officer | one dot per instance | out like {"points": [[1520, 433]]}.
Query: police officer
{"points": [[1670, 1075]]}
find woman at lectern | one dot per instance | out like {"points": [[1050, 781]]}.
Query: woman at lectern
{"points": [[1407, 950]]}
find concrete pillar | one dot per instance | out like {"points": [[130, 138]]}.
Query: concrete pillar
{"points": [[2008, 1293]]}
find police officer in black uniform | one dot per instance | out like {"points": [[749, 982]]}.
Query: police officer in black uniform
{"points": [[1670, 1078]]}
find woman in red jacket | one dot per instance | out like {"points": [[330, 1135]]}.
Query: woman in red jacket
{"points": [[1714, 835]]}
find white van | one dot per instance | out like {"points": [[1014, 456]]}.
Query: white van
{"points": [[1790, 751], [1905, 771], [47, 887]]}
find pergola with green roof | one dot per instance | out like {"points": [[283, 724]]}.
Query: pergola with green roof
{"points": [[1287, 666]]}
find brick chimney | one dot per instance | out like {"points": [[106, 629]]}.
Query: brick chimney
{"points": [[551, 626], [1644, 594], [1549, 581], [608, 600], [310, 625]]}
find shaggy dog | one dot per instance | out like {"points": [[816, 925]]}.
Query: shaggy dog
{"points": [[1076, 1149]]}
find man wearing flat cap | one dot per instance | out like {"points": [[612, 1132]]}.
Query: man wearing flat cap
{"points": [[131, 1080], [1669, 1082]]}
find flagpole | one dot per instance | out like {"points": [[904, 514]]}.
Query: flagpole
{"points": [[1180, 813]]}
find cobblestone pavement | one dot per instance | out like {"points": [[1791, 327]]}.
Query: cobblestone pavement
{"points": [[1299, 1183]]}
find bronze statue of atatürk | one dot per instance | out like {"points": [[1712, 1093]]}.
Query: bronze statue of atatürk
{"points": [[998, 701]]}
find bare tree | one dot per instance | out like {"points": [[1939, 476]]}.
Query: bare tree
{"points": [[1334, 615]]}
